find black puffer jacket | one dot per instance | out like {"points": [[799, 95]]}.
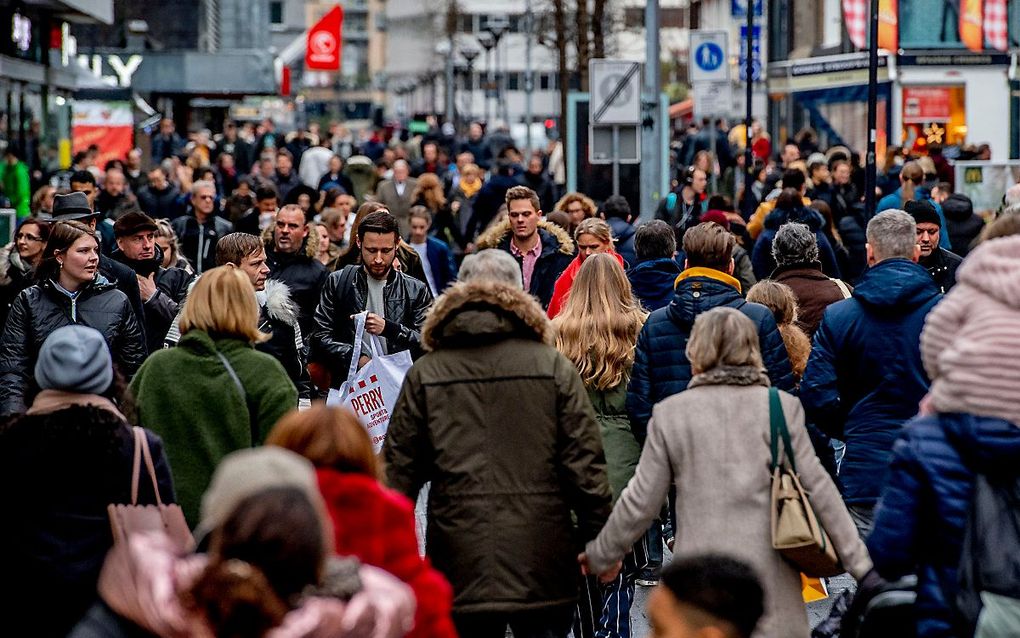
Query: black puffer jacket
{"points": [[171, 289], [345, 293], [40, 310]]}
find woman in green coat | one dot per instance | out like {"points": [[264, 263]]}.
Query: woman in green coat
{"points": [[214, 393], [597, 330], [14, 181]]}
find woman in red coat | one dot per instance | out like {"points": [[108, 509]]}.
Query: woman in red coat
{"points": [[592, 236], [371, 522]]}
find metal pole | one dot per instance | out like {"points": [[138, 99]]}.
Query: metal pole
{"points": [[870, 177], [748, 96], [712, 149], [651, 144], [488, 85], [504, 88], [616, 160], [528, 80]]}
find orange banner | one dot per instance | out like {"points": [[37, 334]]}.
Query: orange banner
{"points": [[972, 25], [888, 25]]}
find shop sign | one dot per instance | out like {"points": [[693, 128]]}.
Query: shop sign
{"points": [[108, 125], [21, 32], [925, 104], [940, 58], [123, 68]]}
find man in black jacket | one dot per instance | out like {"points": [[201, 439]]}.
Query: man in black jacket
{"points": [[290, 255], [76, 206], [158, 199], [396, 303], [162, 290], [199, 232], [940, 263]]}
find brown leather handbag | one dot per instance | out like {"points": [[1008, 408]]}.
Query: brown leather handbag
{"points": [[126, 520], [796, 533]]}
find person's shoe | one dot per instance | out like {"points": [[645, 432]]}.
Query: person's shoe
{"points": [[647, 577]]}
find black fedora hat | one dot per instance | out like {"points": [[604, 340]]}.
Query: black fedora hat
{"points": [[72, 206]]}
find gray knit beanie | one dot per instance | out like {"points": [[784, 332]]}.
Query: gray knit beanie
{"points": [[74, 359]]}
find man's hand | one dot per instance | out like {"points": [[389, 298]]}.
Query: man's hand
{"points": [[146, 286], [374, 324], [363, 361], [606, 576]]}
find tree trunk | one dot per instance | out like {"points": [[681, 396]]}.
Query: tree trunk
{"points": [[598, 28], [583, 44]]}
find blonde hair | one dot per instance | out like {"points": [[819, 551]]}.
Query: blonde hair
{"points": [[223, 303], [597, 228], [723, 337], [586, 203], [599, 325], [430, 190], [779, 298]]}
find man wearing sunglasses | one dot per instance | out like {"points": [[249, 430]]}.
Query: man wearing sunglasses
{"points": [[200, 230]]}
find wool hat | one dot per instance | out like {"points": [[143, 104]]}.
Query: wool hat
{"points": [[923, 212], [75, 359], [717, 217], [246, 472], [134, 222], [72, 206]]}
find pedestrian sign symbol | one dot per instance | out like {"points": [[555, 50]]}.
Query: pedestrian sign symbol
{"points": [[709, 56]]}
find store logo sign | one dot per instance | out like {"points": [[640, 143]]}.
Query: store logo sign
{"points": [[123, 68], [21, 32]]}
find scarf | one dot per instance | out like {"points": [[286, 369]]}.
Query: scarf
{"points": [[731, 375], [470, 190], [49, 401]]}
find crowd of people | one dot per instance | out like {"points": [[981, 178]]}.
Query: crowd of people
{"points": [[590, 386]]}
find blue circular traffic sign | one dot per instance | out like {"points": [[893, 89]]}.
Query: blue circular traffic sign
{"points": [[708, 56]]}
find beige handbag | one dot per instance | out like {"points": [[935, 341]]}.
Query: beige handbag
{"points": [[129, 519], [796, 533]]}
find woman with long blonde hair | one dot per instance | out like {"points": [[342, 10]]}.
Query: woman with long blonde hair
{"points": [[598, 330], [430, 193]]}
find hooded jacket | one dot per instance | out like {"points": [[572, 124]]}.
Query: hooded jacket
{"points": [[864, 378], [761, 257], [920, 521], [661, 367], [501, 424], [969, 345], [557, 253], [623, 239], [301, 271], [344, 294], [172, 285], [652, 281], [962, 225], [59, 470], [40, 310]]}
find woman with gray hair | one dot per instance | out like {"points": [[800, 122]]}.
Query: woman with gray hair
{"points": [[796, 253], [711, 442], [492, 265]]}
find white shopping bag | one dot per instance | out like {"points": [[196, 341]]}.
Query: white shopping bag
{"points": [[372, 391]]}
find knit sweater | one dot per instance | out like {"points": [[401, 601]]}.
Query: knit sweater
{"points": [[970, 345]]}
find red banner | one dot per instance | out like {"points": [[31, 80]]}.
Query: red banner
{"points": [[322, 51], [922, 105], [108, 125]]}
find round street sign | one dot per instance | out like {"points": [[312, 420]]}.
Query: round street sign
{"points": [[709, 56]]}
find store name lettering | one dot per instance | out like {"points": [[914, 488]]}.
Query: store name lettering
{"points": [[123, 68], [21, 32]]}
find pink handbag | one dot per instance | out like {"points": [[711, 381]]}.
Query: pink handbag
{"points": [[126, 520]]}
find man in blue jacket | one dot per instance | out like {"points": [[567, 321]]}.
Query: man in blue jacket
{"points": [[652, 277], [661, 368], [864, 378]]}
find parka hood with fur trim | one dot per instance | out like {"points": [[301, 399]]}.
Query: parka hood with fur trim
{"points": [[470, 313], [494, 236], [311, 245]]}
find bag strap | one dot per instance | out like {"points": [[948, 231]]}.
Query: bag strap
{"points": [[136, 466], [777, 426], [244, 395], [842, 287], [359, 335], [142, 443]]}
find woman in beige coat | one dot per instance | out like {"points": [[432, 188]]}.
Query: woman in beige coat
{"points": [[712, 442]]}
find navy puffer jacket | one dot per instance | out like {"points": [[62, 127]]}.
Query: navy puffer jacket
{"points": [[661, 368], [864, 378], [652, 281], [921, 518]]}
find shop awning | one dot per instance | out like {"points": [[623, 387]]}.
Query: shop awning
{"points": [[825, 72], [681, 109], [235, 72], [78, 10]]}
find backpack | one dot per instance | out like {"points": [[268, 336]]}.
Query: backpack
{"points": [[990, 555]]}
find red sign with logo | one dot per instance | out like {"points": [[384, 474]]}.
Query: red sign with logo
{"points": [[922, 105], [322, 51]]}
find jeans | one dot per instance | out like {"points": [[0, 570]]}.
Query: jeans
{"points": [[543, 623], [863, 517]]}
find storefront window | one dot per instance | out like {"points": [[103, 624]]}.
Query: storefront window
{"points": [[933, 115], [929, 24]]}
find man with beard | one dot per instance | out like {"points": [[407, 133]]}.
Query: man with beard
{"points": [[940, 263], [162, 290]]}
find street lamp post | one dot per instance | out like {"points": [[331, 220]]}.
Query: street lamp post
{"points": [[497, 27], [488, 43], [446, 49], [469, 53]]}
